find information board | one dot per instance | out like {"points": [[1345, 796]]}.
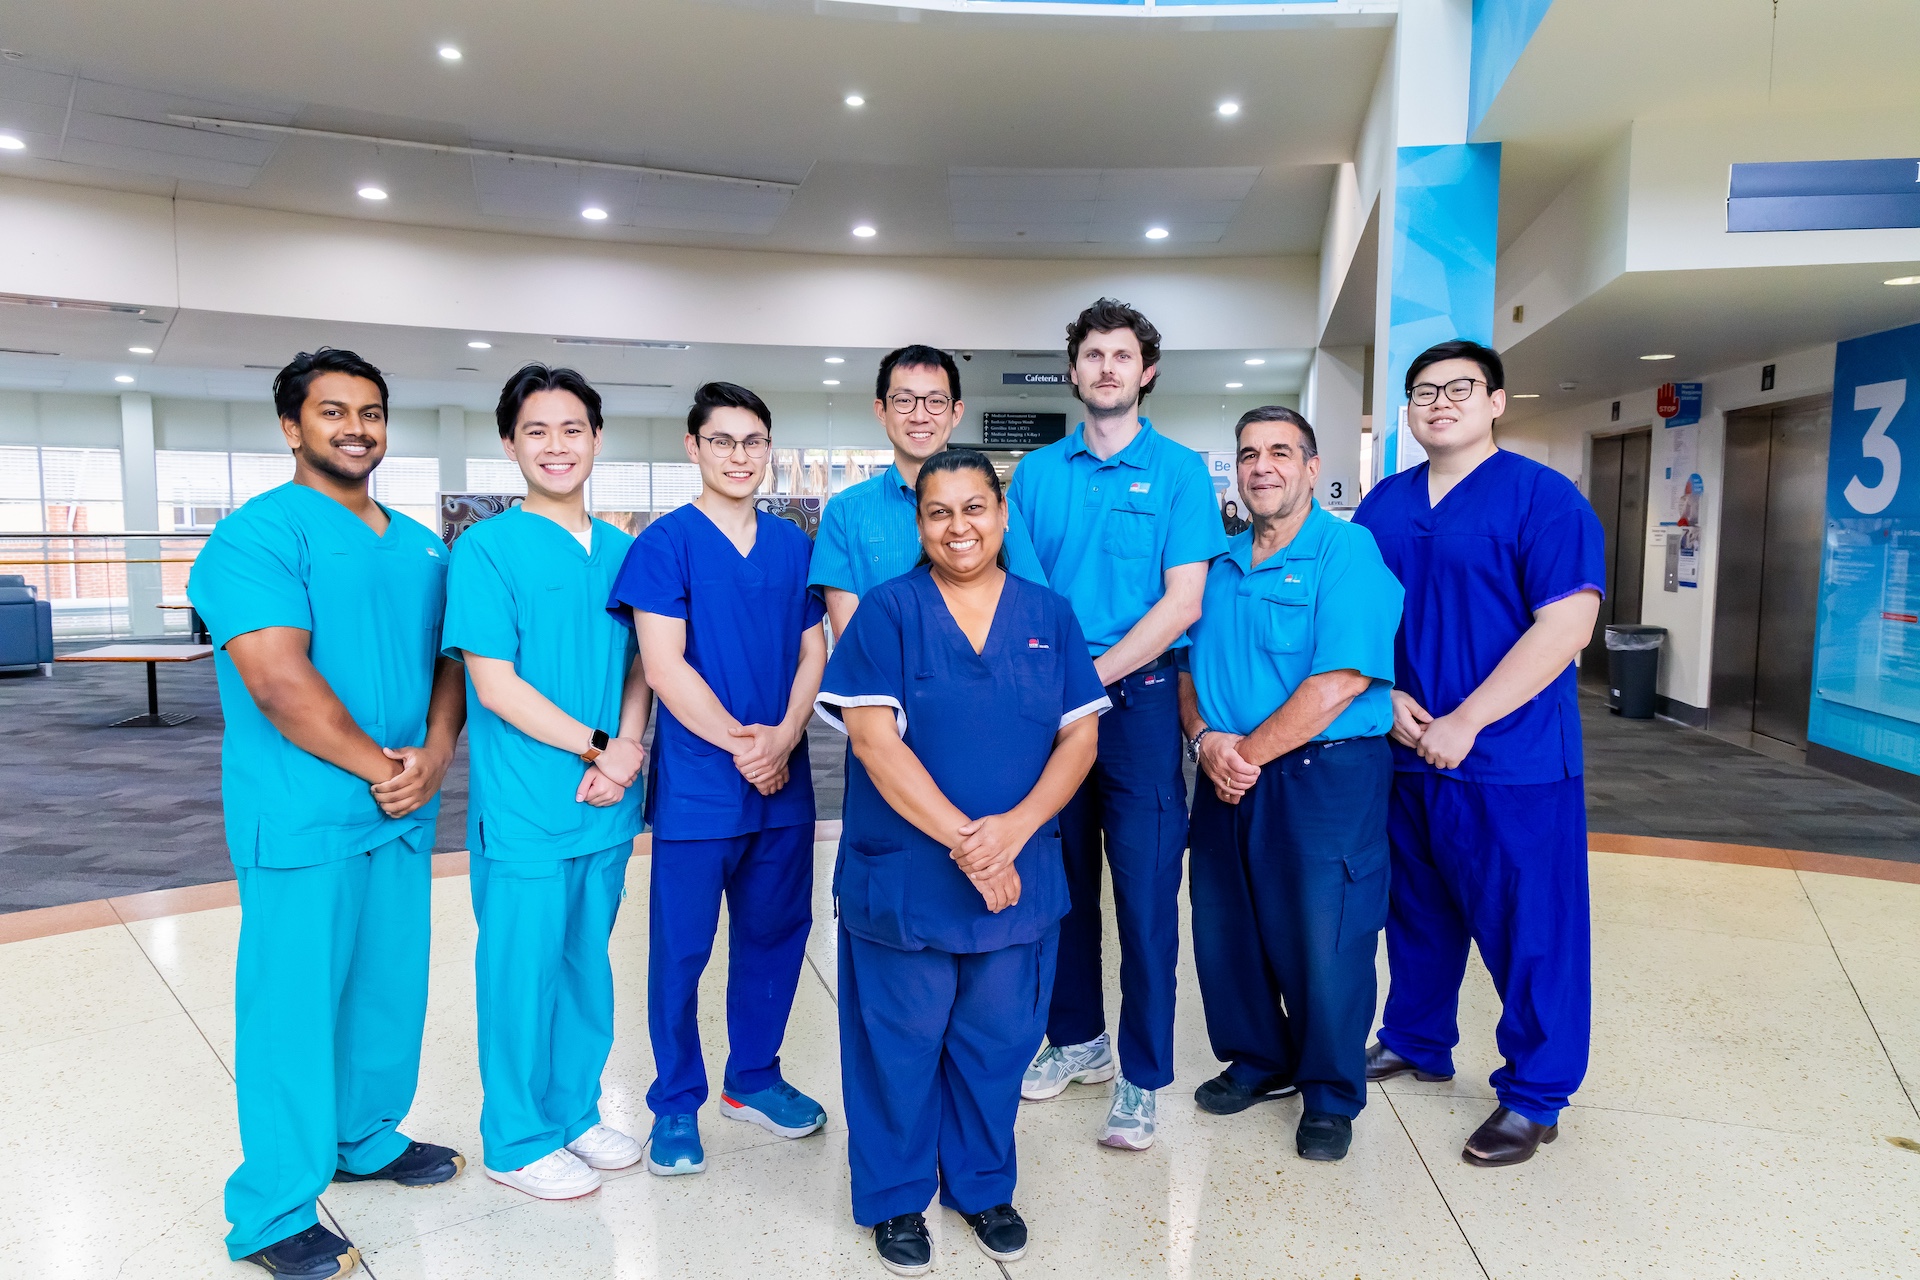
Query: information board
{"points": [[1020, 430]]}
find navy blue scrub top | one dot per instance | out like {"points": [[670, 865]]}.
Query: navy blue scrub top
{"points": [[745, 617], [983, 724], [1510, 538]]}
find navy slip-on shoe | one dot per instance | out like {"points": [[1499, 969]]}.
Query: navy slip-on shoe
{"points": [[421, 1165]]}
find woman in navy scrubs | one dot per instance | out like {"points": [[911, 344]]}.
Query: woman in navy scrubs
{"points": [[973, 707]]}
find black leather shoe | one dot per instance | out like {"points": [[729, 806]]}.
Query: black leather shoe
{"points": [[1384, 1064], [1225, 1096], [314, 1254], [421, 1165], [1000, 1232], [1507, 1137], [1323, 1136], [905, 1247]]}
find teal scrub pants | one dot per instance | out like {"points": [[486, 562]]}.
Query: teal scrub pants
{"points": [[544, 986], [330, 998]]}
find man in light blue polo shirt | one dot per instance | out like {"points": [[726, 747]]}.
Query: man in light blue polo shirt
{"points": [[868, 532], [1124, 522], [1286, 706]]}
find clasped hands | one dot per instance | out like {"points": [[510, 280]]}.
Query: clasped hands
{"points": [[762, 755], [606, 780], [1442, 741], [985, 855]]}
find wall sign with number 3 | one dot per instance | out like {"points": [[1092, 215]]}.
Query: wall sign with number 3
{"points": [[1878, 446]]}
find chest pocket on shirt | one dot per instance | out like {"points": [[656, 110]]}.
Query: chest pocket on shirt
{"points": [[1282, 620], [1129, 532]]}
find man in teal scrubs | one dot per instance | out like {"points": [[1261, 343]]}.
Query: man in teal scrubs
{"points": [[558, 702], [325, 612]]}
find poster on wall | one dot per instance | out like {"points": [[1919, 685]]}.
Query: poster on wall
{"points": [[1226, 492], [1866, 672], [1678, 488]]}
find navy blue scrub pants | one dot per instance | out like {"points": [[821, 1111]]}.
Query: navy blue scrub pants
{"points": [[1504, 866], [767, 879], [1289, 894], [1135, 801], [932, 1048]]}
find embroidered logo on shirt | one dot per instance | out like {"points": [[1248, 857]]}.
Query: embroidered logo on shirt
{"points": [[1139, 486], [434, 552], [1038, 644], [1292, 577]]}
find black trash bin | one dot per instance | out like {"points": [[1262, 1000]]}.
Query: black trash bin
{"points": [[1633, 669]]}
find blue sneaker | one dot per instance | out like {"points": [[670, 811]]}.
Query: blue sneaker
{"points": [[779, 1108], [674, 1146]]}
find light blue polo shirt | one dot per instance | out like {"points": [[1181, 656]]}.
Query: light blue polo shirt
{"points": [[870, 533], [371, 603], [1105, 532], [1324, 602], [524, 591]]}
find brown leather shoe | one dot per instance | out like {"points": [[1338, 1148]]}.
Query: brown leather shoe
{"points": [[1506, 1137], [1384, 1064]]}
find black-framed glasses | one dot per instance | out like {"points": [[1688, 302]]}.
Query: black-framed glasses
{"points": [[904, 402], [1425, 393], [723, 446]]}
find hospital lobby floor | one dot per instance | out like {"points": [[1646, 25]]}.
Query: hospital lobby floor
{"points": [[1745, 1116]]}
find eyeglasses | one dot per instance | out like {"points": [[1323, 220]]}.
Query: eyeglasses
{"points": [[723, 446], [905, 402], [1425, 393]]}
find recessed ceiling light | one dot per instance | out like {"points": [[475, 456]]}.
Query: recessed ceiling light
{"points": [[1228, 108], [141, 351], [865, 231], [1897, 280], [594, 213], [449, 53], [467, 368], [1235, 386], [1658, 355], [372, 193], [1524, 395], [1156, 233], [478, 345], [836, 360], [830, 382], [1257, 360], [10, 143], [123, 377], [855, 100]]}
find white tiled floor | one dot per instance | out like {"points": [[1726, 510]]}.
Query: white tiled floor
{"points": [[1748, 1026]]}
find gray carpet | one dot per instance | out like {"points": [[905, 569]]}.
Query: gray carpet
{"points": [[93, 812]]}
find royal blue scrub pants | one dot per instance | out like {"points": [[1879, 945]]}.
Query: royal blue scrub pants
{"points": [[1135, 802], [544, 988], [1289, 893], [767, 879], [932, 1048], [329, 1000], [1505, 866]]}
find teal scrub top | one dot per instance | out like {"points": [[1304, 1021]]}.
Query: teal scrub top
{"points": [[294, 557], [870, 533], [1324, 602], [522, 590], [1107, 532]]}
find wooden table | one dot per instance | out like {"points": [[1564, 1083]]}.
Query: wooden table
{"points": [[196, 629], [153, 655]]}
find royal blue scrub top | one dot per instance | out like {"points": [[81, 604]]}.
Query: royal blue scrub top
{"points": [[523, 590], [1510, 538], [294, 557], [1324, 602], [869, 533], [745, 618], [1107, 532], [983, 724]]}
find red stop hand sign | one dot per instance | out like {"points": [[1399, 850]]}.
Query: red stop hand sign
{"points": [[1667, 400]]}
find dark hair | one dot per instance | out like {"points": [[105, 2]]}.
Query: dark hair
{"points": [[959, 460], [916, 356], [1277, 413], [291, 383], [1106, 316], [725, 395], [532, 378], [1461, 349]]}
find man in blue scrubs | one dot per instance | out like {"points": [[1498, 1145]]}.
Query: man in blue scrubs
{"points": [[1124, 522], [867, 532], [1502, 560], [1286, 709], [557, 702], [730, 633], [325, 608]]}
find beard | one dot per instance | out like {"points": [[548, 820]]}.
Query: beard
{"points": [[345, 470]]}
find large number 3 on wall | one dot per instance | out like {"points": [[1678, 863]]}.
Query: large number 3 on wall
{"points": [[1877, 445]]}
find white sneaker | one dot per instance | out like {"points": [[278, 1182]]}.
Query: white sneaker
{"points": [[605, 1147], [558, 1175], [1057, 1066], [1130, 1118]]}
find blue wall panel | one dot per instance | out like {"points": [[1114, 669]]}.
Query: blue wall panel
{"points": [[1501, 30]]}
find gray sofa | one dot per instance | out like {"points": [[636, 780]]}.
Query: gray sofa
{"points": [[26, 627]]}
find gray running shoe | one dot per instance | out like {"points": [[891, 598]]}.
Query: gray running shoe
{"points": [[1130, 1118], [1057, 1066]]}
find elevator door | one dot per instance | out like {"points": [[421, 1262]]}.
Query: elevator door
{"points": [[1769, 578], [1617, 487]]}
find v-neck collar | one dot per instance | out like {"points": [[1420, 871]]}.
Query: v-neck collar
{"points": [[955, 632], [347, 513], [573, 539], [1426, 475], [745, 556]]}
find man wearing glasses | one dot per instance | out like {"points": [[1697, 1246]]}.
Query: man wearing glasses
{"points": [[1502, 561], [868, 532], [730, 638]]}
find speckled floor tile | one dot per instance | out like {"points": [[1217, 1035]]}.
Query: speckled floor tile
{"points": [[76, 984]]}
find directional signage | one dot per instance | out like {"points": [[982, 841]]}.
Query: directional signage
{"points": [[1021, 430], [1033, 379], [1824, 195]]}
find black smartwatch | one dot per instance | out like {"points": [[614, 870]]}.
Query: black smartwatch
{"points": [[600, 741]]}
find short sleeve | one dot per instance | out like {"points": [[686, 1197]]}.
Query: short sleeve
{"points": [[832, 561], [1022, 560], [653, 577], [868, 667], [1358, 611], [480, 615], [250, 575], [814, 610], [1194, 532], [1084, 695], [1563, 552]]}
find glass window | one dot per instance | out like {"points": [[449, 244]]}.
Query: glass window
{"points": [[620, 486], [494, 475], [255, 473]]}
